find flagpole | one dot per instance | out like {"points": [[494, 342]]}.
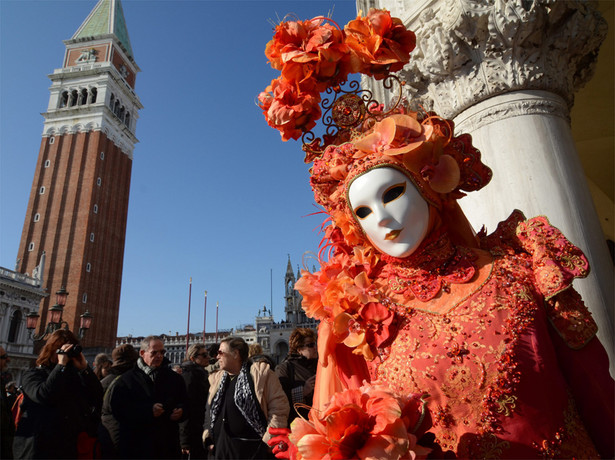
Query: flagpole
{"points": [[217, 305], [188, 327], [204, 317]]}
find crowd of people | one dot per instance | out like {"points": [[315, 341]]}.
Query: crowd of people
{"points": [[219, 404]]}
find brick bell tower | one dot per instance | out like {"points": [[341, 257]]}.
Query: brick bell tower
{"points": [[78, 204]]}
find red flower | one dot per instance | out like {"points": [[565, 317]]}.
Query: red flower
{"points": [[365, 423], [289, 110], [382, 43], [380, 324]]}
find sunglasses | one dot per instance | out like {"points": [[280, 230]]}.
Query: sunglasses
{"points": [[310, 345], [156, 352], [4, 356]]}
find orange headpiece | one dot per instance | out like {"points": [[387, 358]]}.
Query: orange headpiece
{"points": [[315, 56]]}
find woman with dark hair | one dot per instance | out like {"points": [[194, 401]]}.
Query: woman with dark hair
{"points": [[101, 365], [62, 400], [297, 373]]}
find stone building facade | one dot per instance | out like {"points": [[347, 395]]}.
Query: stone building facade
{"points": [[20, 294]]}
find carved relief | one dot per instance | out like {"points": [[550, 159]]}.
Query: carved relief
{"points": [[469, 50], [87, 55]]}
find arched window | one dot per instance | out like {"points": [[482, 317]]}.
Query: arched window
{"points": [[127, 119], [64, 99], [14, 326], [116, 108], [112, 101], [93, 95], [83, 100], [74, 98]]}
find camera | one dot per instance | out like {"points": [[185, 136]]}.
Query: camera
{"points": [[71, 353]]}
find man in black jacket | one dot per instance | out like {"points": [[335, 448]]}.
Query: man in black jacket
{"points": [[148, 401], [196, 378], [124, 358]]}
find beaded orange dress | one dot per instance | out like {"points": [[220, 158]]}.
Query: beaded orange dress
{"points": [[500, 341]]}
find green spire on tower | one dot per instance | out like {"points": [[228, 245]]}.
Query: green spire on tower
{"points": [[106, 18]]}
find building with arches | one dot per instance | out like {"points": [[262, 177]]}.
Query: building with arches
{"points": [[20, 294]]}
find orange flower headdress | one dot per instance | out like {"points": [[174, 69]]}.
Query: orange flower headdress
{"points": [[316, 56]]}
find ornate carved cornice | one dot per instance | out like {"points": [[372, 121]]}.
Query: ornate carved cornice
{"points": [[470, 50]]}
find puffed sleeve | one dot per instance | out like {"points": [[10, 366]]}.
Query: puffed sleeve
{"points": [[556, 262]]}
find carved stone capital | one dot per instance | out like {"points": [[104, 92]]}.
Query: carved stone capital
{"points": [[470, 50]]}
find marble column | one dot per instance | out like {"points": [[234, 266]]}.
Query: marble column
{"points": [[506, 72]]}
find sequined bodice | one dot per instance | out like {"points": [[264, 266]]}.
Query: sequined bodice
{"points": [[469, 360]]}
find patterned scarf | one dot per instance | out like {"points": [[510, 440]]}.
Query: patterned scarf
{"points": [[149, 371], [244, 398]]}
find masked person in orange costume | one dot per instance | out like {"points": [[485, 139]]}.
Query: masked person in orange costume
{"points": [[488, 327]]}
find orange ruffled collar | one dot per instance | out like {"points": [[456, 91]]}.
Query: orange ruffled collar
{"points": [[430, 269]]}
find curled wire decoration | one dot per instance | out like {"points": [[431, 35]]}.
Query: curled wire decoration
{"points": [[345, 109]]}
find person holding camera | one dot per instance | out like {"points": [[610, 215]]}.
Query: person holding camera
{"points": [[62, 401]]}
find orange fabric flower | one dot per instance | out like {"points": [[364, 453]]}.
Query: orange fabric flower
{"points": [[289, 110], [364, 423], [310, 53], [395, 135], [345, 223], [382, 43]]}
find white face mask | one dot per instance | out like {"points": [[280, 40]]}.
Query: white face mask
{"points": [[390, 210]]}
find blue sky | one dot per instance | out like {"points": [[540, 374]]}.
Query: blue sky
{"points": [[215, 194]]}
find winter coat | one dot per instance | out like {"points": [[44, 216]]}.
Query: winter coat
{"points": [[293, 373], [269, 394], [191, 430], [141, 435], [109, 430], [59, 403]]}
